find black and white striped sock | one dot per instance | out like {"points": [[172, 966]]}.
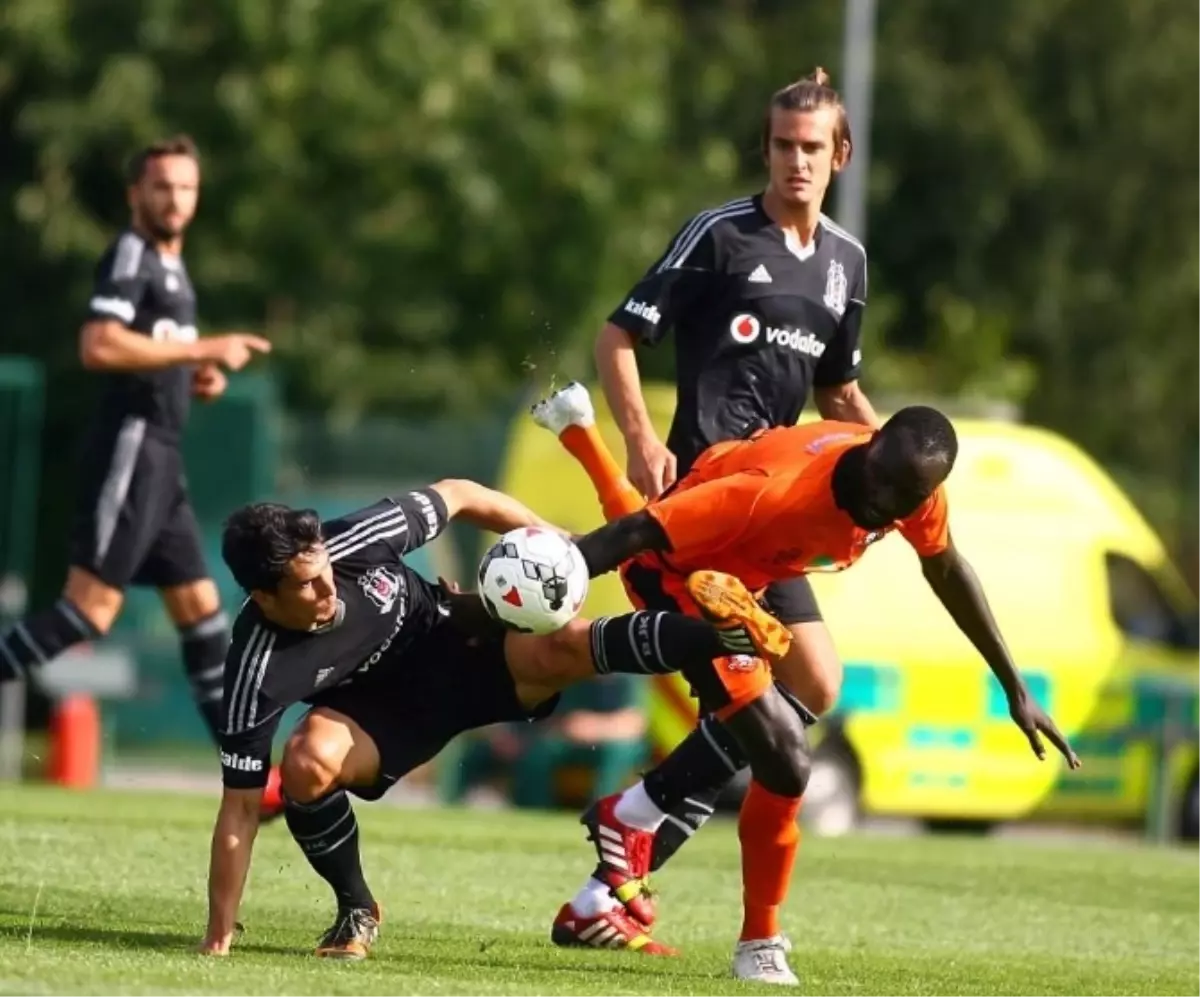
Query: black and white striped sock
{"points": [[42, 637], [652, 643], [204, 645], [327, 832]]}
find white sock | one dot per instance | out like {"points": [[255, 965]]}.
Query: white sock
{"points": [[636, 809], [595, 898]]}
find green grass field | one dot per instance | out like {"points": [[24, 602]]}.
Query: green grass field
{"points": [[105, 893]]}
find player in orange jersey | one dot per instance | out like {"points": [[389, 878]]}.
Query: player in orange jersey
{"points": [[771, 507]]}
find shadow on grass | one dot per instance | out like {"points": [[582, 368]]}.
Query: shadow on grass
{"points": [[126, 938]]}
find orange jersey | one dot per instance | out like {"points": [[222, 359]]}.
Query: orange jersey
{"points": [[763, 509]]}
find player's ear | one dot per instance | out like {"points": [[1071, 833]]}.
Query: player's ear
{"points": [[841, 156]]}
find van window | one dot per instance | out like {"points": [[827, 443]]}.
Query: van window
{"points": [[1137, 603]]}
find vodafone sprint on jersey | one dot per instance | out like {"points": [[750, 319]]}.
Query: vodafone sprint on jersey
{"points": [[746, 329]]}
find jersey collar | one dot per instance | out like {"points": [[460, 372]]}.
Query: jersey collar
{"points": [[802, 253]]}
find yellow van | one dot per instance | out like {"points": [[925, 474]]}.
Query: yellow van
{"points": [[1096, 617]]}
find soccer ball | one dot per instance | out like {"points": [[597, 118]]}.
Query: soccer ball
{"points": [[533, 580]]}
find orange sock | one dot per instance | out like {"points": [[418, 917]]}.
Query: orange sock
{"points": [[617, 496], [770, 837]]}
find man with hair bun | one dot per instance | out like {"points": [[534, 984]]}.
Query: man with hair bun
{"points": [[765, 295]]}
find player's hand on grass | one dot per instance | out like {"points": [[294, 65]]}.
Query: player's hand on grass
{"points": [[219, 945], [651, 467], [1034, 721], [209, 382], [235, 349], [220, 942]]}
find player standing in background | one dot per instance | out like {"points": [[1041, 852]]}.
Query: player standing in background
{"points": [[134, 523], [765, 296]]}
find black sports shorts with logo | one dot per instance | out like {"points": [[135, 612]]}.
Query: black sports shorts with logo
{"points": [[417, 699], [134, 524]]}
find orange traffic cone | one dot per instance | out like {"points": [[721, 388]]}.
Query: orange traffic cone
{"points": [[75, 742]]}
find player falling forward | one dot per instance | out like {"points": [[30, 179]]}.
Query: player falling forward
{"points": [[774, 506], [394, 667]]}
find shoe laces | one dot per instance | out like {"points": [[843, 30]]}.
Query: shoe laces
{"points": [[352, 924]]}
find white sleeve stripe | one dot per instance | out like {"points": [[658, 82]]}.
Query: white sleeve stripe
{"points": [[367, 541], [337, 547], [688, 242], [835, 229], [258, 680], [331, 543], [249, 677], [262, 720], [116, 307], [250, 691], [127, 260], [240, 678], [691, 227]]}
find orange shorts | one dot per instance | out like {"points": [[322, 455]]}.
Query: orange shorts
{"points": [[723, 685]]}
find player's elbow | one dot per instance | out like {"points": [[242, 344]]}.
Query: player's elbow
{"points": [[609, 340], [461, 495], [93, 353], [238, 816]]}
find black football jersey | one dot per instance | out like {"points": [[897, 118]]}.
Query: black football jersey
{"points": [[383, 605], [757, 321], [148, 292]]}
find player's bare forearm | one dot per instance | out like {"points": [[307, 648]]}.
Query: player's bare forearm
{"points": [[616, 365], [956, 585], [487, 508], [106, 345], [232, 846], [846, 403], [604, 549]]}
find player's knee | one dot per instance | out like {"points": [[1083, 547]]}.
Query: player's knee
{"points": [[98, 603], [311, 766], [783, 759], [822, 693]]}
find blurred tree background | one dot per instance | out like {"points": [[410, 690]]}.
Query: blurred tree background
{"points": [[425, 205]]}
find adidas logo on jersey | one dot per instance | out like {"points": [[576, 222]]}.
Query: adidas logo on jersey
{"points": [[240, 762], [643, 310], [759, 275]]}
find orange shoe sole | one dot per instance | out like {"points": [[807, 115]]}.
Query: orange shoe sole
{"points": [[727, 603]]}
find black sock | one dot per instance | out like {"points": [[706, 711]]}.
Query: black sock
{"points": [[204, 645], [690, 780], [657, 643], [701, 763], [327, 833], [42, 637], [681, 823]]}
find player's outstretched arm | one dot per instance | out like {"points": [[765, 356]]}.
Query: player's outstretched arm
{"points": [[694, 522], [957, 587], [487, 508], [232, 844], [604, 549], [105, 344]]}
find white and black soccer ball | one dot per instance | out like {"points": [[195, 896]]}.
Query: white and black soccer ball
{"points": [[533, 580]]}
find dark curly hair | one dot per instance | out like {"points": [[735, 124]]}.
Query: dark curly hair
{"points": [[261, 539]]}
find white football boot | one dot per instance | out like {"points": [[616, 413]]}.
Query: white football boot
{"points": [[569, 406], [764, 960]]}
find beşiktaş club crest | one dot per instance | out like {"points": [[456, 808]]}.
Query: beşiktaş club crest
{"points": [[381, 587], [835, 287]]}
